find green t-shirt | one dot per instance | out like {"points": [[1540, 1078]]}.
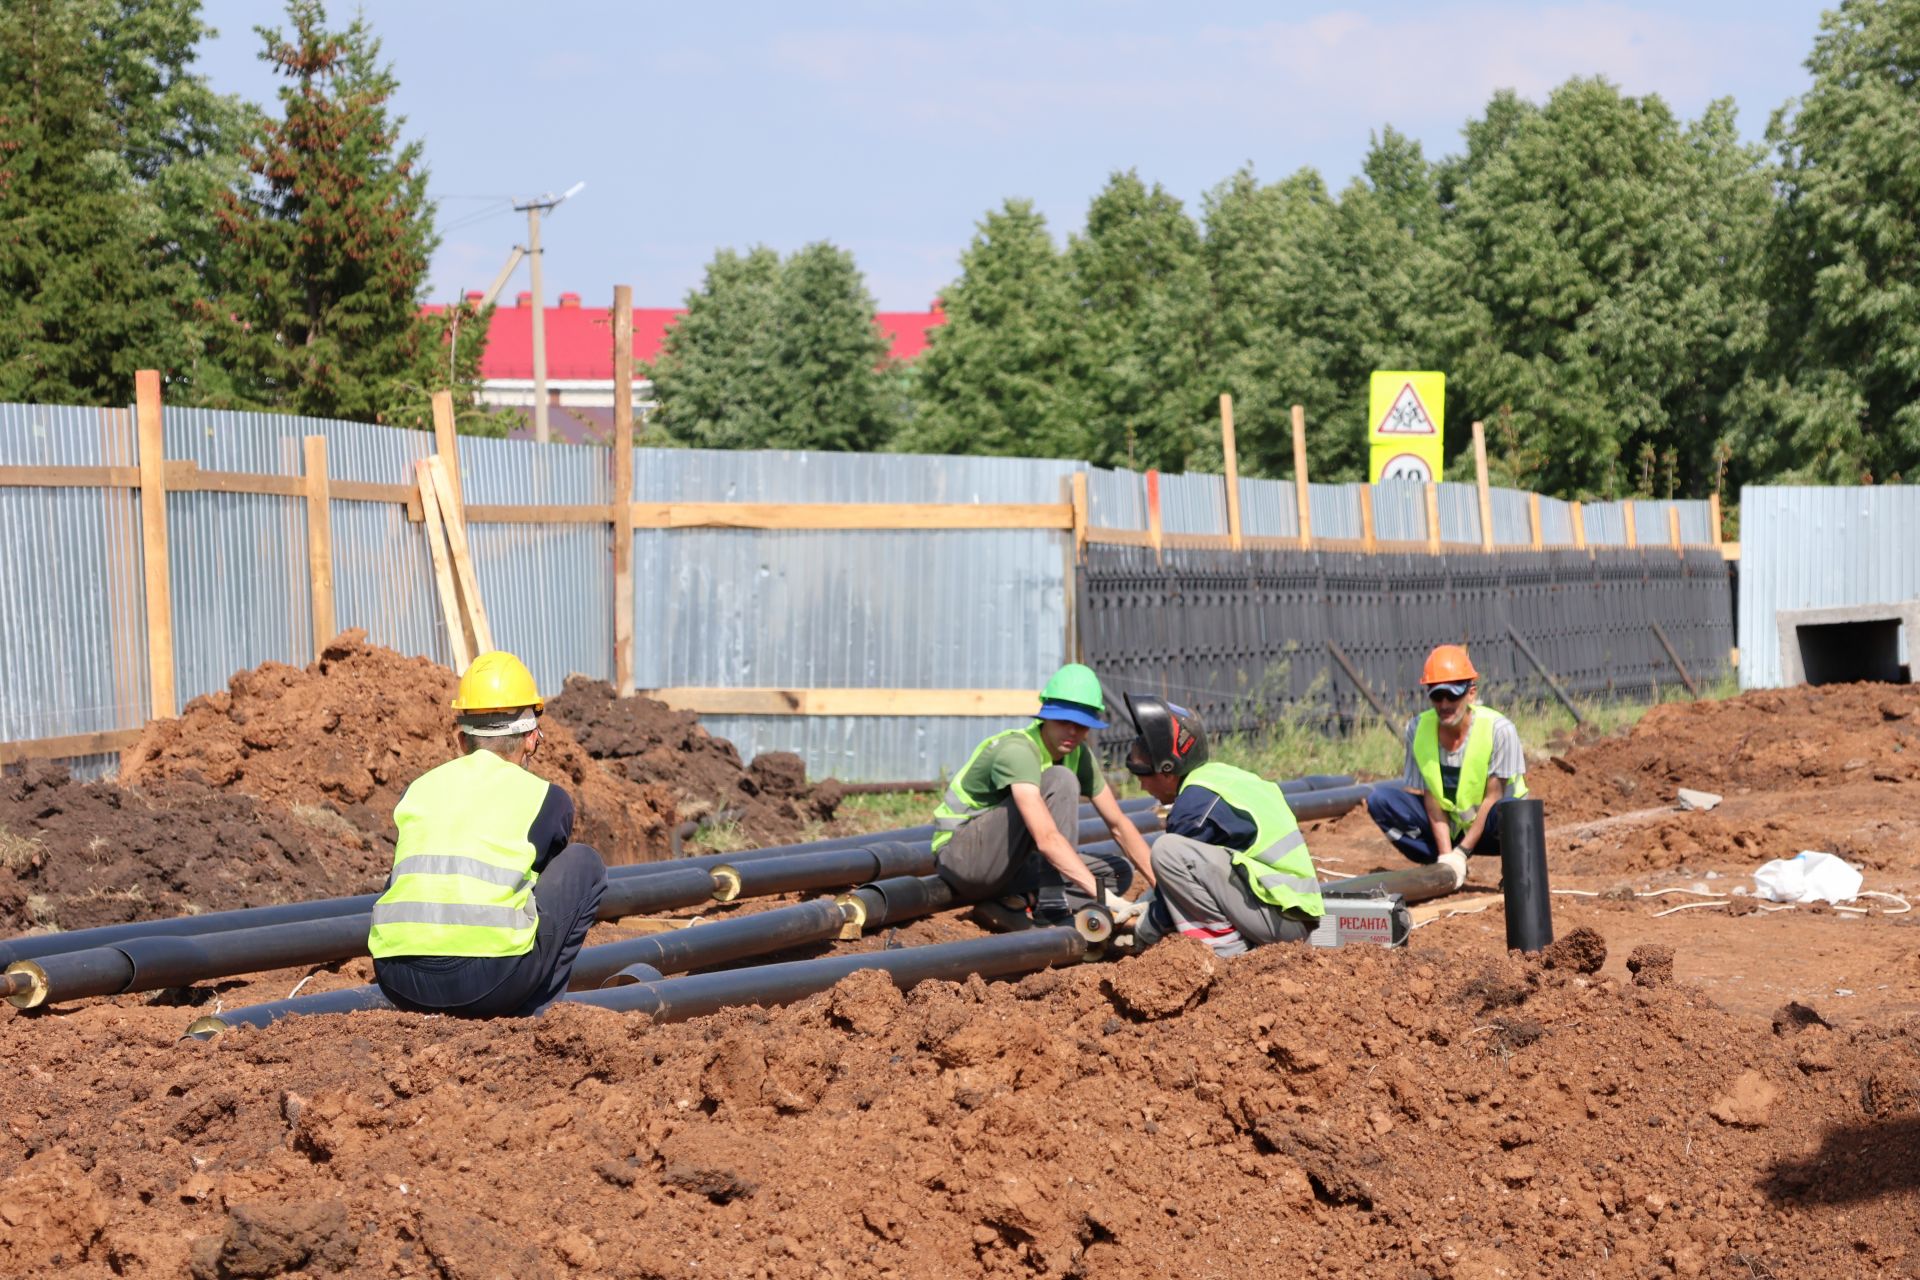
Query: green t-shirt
{"points": [[1018, 757]]}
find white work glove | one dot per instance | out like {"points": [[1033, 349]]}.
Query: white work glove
{"points": [[1124, 912], [1456, 862]]}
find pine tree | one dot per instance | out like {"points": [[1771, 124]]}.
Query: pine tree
{"points": [[328, 250], [715, 379], [993, 379]]}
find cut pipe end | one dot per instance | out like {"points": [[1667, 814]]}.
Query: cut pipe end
{"points": [[853, 917], [206, 1028], [726, 883], [25, 984]]}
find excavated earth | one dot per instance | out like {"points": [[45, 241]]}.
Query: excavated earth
{"points": [[1723, 1090]]}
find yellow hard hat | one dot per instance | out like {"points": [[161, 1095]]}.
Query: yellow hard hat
{"points": [[497, 681]]}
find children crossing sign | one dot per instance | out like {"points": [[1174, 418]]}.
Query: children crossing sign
{"points": [[1406, 422]]}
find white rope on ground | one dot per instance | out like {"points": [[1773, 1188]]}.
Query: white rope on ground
{"points": [[1464, 911], [303, 982], [1688, 906], [1905, 906]]}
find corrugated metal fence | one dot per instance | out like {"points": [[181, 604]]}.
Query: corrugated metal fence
{"points": [[985, 608]]}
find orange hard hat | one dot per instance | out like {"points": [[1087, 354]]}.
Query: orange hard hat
{"points": [[1446, 664]]}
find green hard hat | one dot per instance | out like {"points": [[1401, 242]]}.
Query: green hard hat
{"points": [[1074, 694]]}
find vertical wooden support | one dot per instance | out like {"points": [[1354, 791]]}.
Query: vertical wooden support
{"points": [[1673, 528], [623, 654], [1626, 511], [1230, 455], [153, 545], [1368, 543], [455, 521], [1534, 537], [1714, 535], [457, 644], [446, 443], [1070, 571], [1079, 500], [1480, 482], [1154, 537], [1433, 517], [1579, 516], [319, 541], [1300, 498]]}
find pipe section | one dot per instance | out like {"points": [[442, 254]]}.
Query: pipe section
{"points": [[676, 999], [53, 944], [346, 1000], [831, 869], [1314, 806], [1316, 782], [1523, 874], [715, 943]]}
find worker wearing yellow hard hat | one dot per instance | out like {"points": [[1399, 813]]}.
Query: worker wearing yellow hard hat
{"points": [[490, 899], [1463, 760], [1006, 833]]}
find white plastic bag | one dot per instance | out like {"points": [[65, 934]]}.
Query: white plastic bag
{"points": [[1810, 877]]}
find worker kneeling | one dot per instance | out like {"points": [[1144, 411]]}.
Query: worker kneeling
{"points": [[1232, 869], [1007, 830], [488, 902], [1463, 761]]}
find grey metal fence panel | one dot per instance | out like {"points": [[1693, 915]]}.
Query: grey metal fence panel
{"points": [[1606, 524], [73, 650], [1116, 499], [1336, 510], [1807, 548], [1512, 518], [1400, 511], [1556, 522], [1459, 513], [1269, 509], [1194, 503]]}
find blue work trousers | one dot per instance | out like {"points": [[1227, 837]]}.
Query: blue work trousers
{"points": [[1402, 816]]}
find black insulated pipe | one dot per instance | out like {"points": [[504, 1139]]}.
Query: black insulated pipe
{"points": [[634, 973], [1316, 782], [891, 901], [53, 944], [1523, 874], [712, 943], [1315, 806], [829, 869], [345, 1000], [676, 999]]}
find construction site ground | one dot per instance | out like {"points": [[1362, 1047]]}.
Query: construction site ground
{"points": [[1724, 1090]]}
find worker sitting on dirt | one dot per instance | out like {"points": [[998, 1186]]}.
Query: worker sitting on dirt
{"points": [[489, 901], [1232, 869], [1463, 761], [1006, 833]]}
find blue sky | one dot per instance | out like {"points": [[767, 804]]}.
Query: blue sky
{"points": [[890, 129]]}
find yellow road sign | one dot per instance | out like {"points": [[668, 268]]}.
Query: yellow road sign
{"points": [[1406, 425]]}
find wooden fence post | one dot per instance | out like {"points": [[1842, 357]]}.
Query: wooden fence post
{"points": [[1230, 455], [1368, 543], [1480, 482], [447, 444], [1300, 493], [1673, 528], [1433, 517], [1533, 521], [1079, 500], [153, 544], [1714, 535], [1579, 517], [319, 541], [1153, 514], [623, 653], [1626, 512]]}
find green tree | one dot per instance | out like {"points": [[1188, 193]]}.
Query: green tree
{"points": [[992, 380], [1845, 334], [328, 249], [774, 355], [1139, 283], [110, 150]]}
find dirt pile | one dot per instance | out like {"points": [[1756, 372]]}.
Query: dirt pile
{"points": [[353, 729], [74, 855], [645, 741], [1342, 1114], [1769, 738]]}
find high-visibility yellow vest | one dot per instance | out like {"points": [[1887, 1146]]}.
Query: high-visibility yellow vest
{"points": [[462, 867], [959, 804], [1472, 787], [1279, 869]]}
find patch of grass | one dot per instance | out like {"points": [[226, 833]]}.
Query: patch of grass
{"points": [[718, 837], [860, 814], [324, 820], [17, 851], [40, 912]]}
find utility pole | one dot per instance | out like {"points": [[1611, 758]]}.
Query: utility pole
{"points": [[534, 208]]}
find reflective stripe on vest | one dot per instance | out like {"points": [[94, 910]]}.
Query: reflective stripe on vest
{"points": [[959, 805], [1278, 867], [463, 877], [1474, 766]]}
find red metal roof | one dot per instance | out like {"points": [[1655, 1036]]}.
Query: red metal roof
{"points": [[580, 339]]}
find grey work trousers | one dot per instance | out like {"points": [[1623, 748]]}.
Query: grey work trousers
{"points": [[1202, 894], [994, 855]]}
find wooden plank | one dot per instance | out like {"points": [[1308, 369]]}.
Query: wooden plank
{"points": [[1230, 455], [1368, 543], [446, 443], [1353, 674], [1441, 908], [1069, 581], [1303, 502], [153, 545], [1433, 518], [918, 703], [852, 515], [1626, 511], [78, 744], [1553, 684], [1673, 529], [623, 654], [1155, 536], [1713, 520], [541, 513], [1533, 521], [442, 568], [319, 541], [367, 491], [1480, 484], [121, 540], [1079, 502], [1673, 656], [1579, 515], [1729, 551], [196, 480], [70, 477], [1123, 537], [463, 575]]}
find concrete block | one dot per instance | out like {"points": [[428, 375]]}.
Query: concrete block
{"points": [[1701, 800], [1848, 642]]}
